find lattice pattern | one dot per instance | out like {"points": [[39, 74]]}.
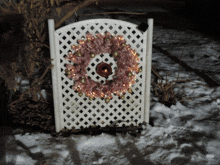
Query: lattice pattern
{"points": [[80, 112]]}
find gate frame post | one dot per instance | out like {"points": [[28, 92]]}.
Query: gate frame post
{"points": [[54, 71], [148, 69]]}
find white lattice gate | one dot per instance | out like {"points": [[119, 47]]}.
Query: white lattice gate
{"points": [[72, 110]]}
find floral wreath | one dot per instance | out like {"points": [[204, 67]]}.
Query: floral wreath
{"points": [[127, 63]]}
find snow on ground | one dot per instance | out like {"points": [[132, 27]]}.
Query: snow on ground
{"points": [[193, 47], [180, 135], [187, 133]]}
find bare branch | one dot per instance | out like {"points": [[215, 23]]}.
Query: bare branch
{"points": [[85, 3], [113, 13]]}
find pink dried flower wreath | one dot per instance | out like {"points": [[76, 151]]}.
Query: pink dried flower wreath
{"points": [[127, 63]]}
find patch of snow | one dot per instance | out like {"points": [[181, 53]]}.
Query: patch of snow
{"points": [[24, 160], [89, 145], [210, 156]]}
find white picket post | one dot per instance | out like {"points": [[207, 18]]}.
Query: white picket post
{"points": [[148, 68]]}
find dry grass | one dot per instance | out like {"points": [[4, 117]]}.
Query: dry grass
{"points": [[35, 14], [163, 89]]}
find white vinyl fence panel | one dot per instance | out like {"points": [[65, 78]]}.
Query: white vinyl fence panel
{"points": [[72, 110]]}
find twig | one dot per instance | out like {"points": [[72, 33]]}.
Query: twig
{"points": [[40, 79], [32, 86], [42, 44], [87, 2], [156, 73], [180, 64]]}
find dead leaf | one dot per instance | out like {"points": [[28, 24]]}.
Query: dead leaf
{"points": [[57, 2], [37, 33], [6, 3], [21, 3], [34, 22], [43, 14], [35, 1], [69, 6], [51, 2], [42, 38], [30, 25], [4, 10], [41, 1], [19, 8], [58, 10], [41, 9], [42, 27], [37, 4], [51, 65], [31, 46]]}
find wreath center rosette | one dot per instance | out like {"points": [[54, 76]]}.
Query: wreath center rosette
{"points": [[127, 61]]}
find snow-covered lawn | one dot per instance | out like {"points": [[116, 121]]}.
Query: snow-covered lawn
{"points": [[180, 135], [187, 133]]}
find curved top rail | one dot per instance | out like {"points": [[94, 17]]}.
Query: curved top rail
{"points": [[99, 20]]}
